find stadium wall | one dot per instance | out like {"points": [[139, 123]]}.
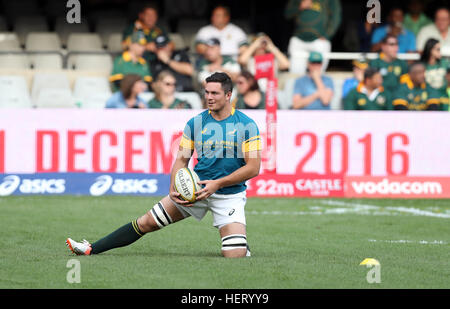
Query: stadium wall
{"points": [[320, 154]]}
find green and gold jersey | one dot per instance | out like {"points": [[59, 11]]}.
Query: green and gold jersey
{"points": [[418, 98], [322, 19], [391, 71], [445, 99], [359, 99], [435, 74], [123, 65]]}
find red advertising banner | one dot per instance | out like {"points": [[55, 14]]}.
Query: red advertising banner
{"points": [[276, 185], [397, 187]]}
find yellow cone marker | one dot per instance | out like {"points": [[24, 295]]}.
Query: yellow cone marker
{"points": [[369, 261]]}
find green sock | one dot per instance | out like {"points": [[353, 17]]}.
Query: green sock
{"points": [[123, 236]]}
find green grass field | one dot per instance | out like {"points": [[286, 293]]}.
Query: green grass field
{"points": [[296, 243]]}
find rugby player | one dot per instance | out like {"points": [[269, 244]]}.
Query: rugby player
{"points": [[228, 146]]}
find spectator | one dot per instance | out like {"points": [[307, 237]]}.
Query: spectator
{"points": [[439, 30], [128, 96], [445, 97], [415, 19], [390, 67], [175, 61], [215, 62], [370, 94], [249, 95], [316, 23], [147, 22], [260, 46], [436, 66], [406, 39], [358, 76], [232, 38], [164, 88], [314, 90], [416, 94], [131, 61]]}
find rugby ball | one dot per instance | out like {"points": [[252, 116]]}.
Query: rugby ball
{"points": [[186, 184]]}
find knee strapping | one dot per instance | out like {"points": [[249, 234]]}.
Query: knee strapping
{"points": [[234, 241], [160, 215]]}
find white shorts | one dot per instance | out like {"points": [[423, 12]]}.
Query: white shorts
{"points": [[225, 208]]}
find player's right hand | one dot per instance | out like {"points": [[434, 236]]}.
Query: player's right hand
{"points": [[176, 197]]}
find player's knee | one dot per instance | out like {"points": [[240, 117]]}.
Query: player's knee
{"points": [[234, 246], [155, 219]]}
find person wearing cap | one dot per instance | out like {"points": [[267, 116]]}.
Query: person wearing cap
{"points": [[175, 61], [131, 62], [215, 62], [392, 69], [147, 23], [314, 90], [316, 22], [359, 66], [369, 94], [233, 39]]}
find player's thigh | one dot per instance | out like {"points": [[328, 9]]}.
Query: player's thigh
{"points": [[234, 240], [162, 214]]}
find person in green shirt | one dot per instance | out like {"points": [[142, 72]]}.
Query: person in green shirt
{"points": [[131, 62], [249, 95], [445, 96], [415, 19], [147, 23], [369, 94], [436, 65], [316, 22], [164, 88], [416, 94], [390, 67]]}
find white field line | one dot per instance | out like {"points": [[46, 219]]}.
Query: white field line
{"points": [[420, 242], [356, 208]]}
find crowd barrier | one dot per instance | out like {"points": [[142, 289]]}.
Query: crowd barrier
{"points": [[319, 153]]}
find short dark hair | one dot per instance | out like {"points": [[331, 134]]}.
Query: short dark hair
{"points": [[223, 79], [149, 5], [370, 72], [415, 64]]}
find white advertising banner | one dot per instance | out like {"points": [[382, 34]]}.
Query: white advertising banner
{"points": [[144, 141]]}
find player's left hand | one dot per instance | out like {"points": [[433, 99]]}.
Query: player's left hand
{"points": [[210, 186]]}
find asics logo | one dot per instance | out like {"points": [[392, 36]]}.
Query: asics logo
{"points": [[231, 212]]}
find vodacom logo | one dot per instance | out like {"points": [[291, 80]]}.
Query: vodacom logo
{"points": [[386, 187]]}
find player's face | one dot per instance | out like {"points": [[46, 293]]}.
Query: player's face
{"points": [[216, 99]]}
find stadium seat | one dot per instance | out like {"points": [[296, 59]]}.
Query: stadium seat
{"points": [[114, 43], [147, 96], [46, 61], [91, 91], [48, 80], [55, 98], [26, 24], [84, 42], [178, 40], [193, 98], [14, 92], [14, 61], [43, 41], [9, 42], [64, 29], [286, 95], [91, 62]]}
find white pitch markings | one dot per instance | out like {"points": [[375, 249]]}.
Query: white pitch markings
{"points": [[421, 242], [356, 208]]}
